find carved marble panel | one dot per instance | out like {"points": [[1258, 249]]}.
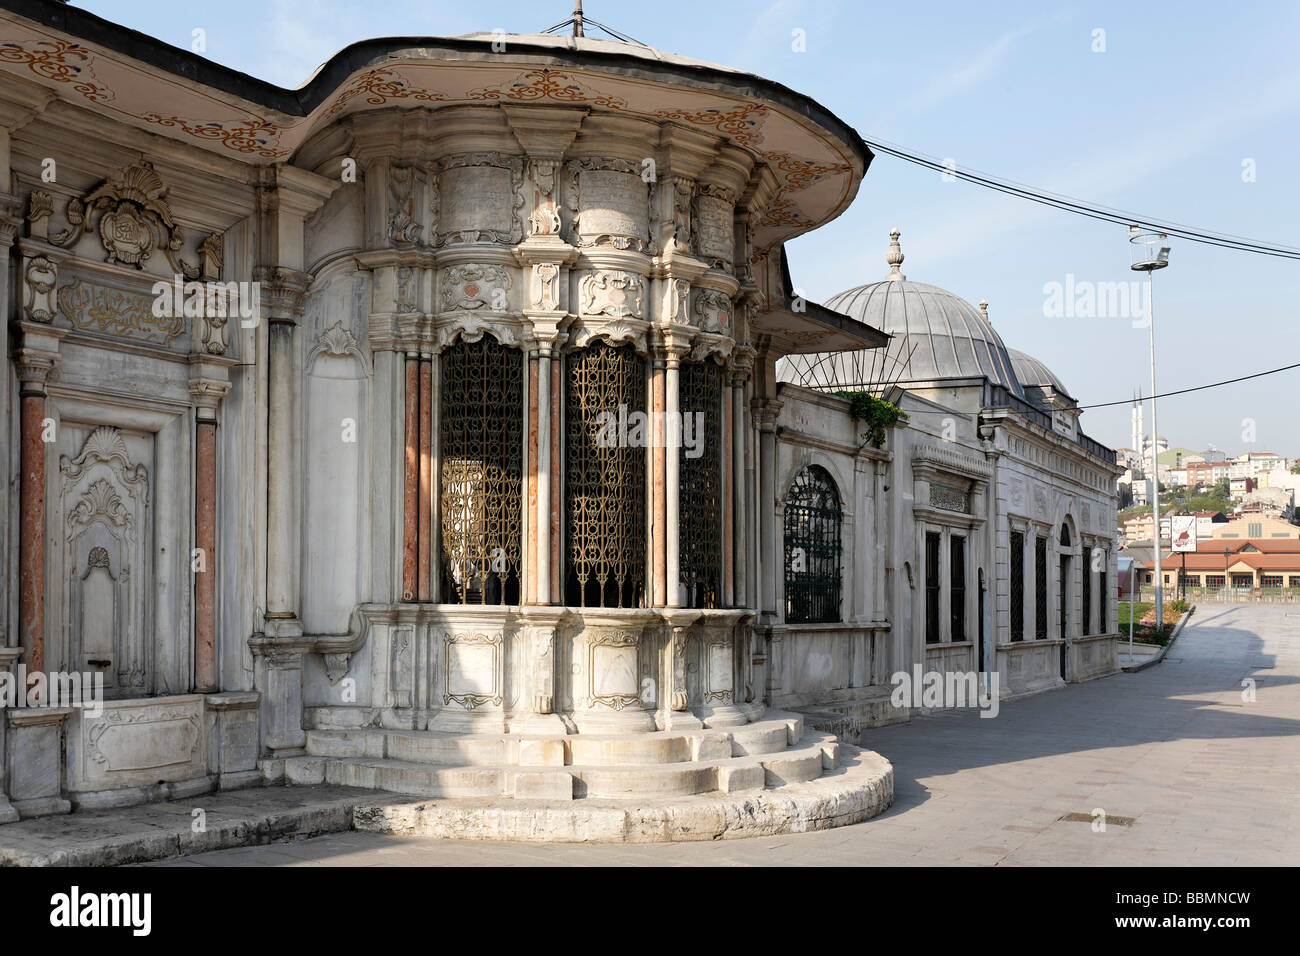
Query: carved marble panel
{"points": [[476, 287], [618, 294], [137, 743], [481, 199], [610, 677], [714, 226], [609, 204], [474, 676], [713, 311], [107, 548]]}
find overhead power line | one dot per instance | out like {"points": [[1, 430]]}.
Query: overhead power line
{"points": [[1198, 388], [1091, 210]]}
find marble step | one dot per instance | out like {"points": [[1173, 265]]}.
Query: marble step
{"points": [[814, 754], [771, 735]]}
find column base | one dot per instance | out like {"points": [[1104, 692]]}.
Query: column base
{"points": [[678, 720]]}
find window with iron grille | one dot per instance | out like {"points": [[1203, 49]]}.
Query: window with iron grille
{"points": [[1271, 581], [812, 548], [700, 471], [1214, 580], [1103, 603], [1017, 586], [1192, 580], [480, 441], [1040, 587], [1294, 581], [1243, 580], [957, 587], [1086, 593], [604, 486], [932, 585]]}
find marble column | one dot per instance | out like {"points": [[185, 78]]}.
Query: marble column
{"points": [[411, 481], [739, 436], [542, 511], [281, 568], [207, 386], [557, 375], [766, 413], [672, 481], [532, 589], [36, 358], [424, 510]]}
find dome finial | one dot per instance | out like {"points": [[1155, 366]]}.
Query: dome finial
{"points": [[984, 308], [895, 257]]}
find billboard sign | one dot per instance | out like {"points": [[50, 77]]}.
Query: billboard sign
{"points": [[1184, 532]]}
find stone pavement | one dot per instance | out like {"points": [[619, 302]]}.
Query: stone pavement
{"points": [[1208, 778]]}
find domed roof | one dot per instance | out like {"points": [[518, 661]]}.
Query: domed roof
{"points": [[1031, 371], [936, 334]]}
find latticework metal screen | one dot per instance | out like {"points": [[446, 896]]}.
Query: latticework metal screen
{"points": [[933, 586], [700, 470], [957, 587], [812, 548], [1087, 591], [1104, 604], [1040, 587], [1017, 586], [480, 435], [604, 492]]}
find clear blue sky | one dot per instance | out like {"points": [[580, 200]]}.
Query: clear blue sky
{"points": [[1159, 124]]}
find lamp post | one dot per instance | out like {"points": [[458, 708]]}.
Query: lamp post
{"points": [[1150, 251]]}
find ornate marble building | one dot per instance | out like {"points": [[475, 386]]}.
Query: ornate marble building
{"points": [[420, 429]]}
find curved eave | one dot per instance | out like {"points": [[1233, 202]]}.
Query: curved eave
{"points": [[829, 156]]}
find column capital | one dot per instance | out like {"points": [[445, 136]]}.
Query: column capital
{"points": [[284, 292], [209, 384], [765, 412], [37, 355]]}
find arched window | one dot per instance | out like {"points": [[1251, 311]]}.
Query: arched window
{"points": [[605, 434], [480, 441], [812, 548]]}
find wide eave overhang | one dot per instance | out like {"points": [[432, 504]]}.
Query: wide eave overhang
{"points": [[817, 160]]}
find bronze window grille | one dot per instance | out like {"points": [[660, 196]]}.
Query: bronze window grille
{"points": [[1087, 591], [480, 440], [1040, 587], [700, 473], [1063, 581], [957, 587], [605, 465], [1017, 586], [812, 548], [932, 587]]}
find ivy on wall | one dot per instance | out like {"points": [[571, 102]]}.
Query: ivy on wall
{"points": [[878, 414]]}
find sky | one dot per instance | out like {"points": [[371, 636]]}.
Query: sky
{"points": [[1186, 113]]}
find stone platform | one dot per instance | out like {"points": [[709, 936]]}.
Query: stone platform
{"points": [[771, 776]]}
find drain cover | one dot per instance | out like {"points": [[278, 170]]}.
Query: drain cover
{"points": [[1116, 819]]}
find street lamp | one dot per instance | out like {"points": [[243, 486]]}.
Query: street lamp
{"points": [[1150, 251]]}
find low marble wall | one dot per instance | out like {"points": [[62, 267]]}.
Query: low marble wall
{"points": [[1029, 667], [1093, 656], [959, 657], [467, 669], [815, 665]]}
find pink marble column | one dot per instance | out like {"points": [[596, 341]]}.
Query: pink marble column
{"points": [[31, 505], [205, 539], [411, 488], [425, 509]]}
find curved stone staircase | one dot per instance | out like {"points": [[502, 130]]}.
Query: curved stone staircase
{"points": [[771, 776]]}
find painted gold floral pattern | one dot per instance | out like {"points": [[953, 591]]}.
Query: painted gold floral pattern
{"points": [[547, 84], [49, 59], [240, 138]]}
